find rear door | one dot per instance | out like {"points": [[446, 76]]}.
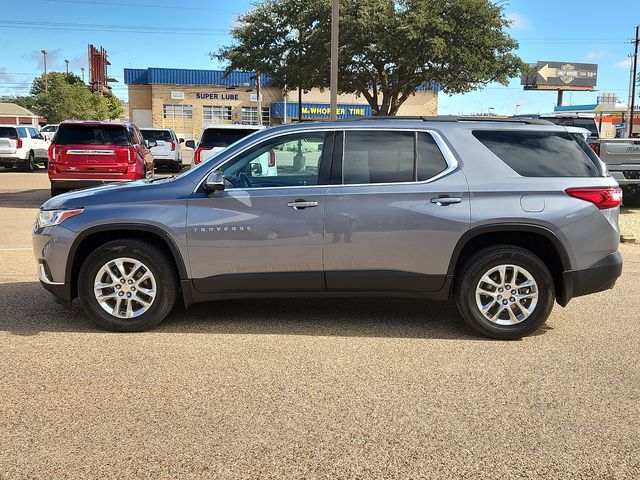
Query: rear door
{"points": [[395, 211], [38, 142], [92, 148]]}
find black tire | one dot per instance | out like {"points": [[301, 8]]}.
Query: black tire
{"points": [[630, 197], [29, 164], [56, 191], [482, 262], [157, 262]]}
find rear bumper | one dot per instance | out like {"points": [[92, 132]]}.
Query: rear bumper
{"points": [[72, 184], [166, 161], [600, 276], [10, 160]]}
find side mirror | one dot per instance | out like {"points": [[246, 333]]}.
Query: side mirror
{"points": [[214, 182], [190, 144], [181, 140], [151, 143], [256, 169]]}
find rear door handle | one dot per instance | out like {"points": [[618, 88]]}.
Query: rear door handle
{"points": [[301, 204], [443, 201]]}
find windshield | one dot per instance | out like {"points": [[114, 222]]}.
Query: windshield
{"points": [[223, 137], [8, 132], [92, 135], [156, 135]]}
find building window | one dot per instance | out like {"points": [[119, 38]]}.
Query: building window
{"points": [[181, 112], [266, 116], [249, 115], [216, 114]]}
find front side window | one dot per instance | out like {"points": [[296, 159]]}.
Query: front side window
{"points": [[390, 157], [290, 160]]}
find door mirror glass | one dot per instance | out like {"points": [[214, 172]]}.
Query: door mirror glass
{"points": [[214, 181], [190, 144]]}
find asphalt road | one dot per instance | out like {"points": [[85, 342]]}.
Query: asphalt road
{"points": [[309, 388]]}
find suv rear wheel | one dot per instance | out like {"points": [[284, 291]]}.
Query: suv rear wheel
{"points": [[29, 164], [505, 292], [127, 285]]}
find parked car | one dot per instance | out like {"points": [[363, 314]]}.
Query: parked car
{"points": [[48, 131], [167, 152], [22, 146], [216, 138], [622, 157], [505, 217], [89, 153]]}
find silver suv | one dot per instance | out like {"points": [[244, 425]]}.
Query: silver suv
{"points": [[504, 216]]}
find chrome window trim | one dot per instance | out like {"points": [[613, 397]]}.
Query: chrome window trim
{"points": [[449, 157]]}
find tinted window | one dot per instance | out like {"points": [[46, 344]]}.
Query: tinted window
{"points": [[91, 135], [6, 132], [539, 154], [157, 135], [223, 137], [34, 133], [378, 157], [22, 132], [291, 160], [430, 160], [49, 128]]}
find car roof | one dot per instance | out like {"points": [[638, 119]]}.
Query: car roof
{"points": [[95, 122], [232, 126], [157, 129]]}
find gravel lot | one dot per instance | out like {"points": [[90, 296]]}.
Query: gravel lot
{"points": [[310, 389]]}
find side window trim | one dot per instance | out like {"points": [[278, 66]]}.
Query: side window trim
{"points": [[449, 158]]}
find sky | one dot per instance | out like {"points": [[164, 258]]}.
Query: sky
{"points": [[181, 33]]}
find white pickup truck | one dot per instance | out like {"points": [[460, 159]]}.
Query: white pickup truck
{"points": [[22, 146], [622, 157]]}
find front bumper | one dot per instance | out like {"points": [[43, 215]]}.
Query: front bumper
{"points": [[51, 249], [600, 276]]}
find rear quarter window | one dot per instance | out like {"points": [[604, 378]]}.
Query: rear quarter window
{"points": [[91, 135], [540, 154]]}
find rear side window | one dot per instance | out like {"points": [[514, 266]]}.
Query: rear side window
{"points": [[390, 157], [91, 135], [164, 135], [540, 154], [6, 132], [223, 137]]}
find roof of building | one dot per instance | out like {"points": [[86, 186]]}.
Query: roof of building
{"points": [[13, 110], [180, 76]]}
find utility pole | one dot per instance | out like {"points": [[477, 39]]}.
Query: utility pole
{"points": [[66, 62], [335, 19], [284, 98], [259, 101], [46, 83], [634, 80], [82, 70]]}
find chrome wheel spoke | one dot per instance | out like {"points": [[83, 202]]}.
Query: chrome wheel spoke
{"points": [[506, 294], [119, 293]]}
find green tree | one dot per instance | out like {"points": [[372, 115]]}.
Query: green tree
{"points": [[114, 107], [388, 48]]}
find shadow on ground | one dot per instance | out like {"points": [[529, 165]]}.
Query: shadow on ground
{"points": [[28, 310]]}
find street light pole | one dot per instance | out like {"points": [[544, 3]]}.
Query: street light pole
{"points": [[335, 18], [634, 79], [82, 69], [46, 84], [66, 62]]}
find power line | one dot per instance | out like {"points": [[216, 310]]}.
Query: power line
{"points": [[142, 5], [89, 27]]}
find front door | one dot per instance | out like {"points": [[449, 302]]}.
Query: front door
{"points": [[396, 214], [264, 231]]}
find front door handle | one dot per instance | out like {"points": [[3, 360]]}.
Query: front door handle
{"points": [[301, 204], [444, 201]]}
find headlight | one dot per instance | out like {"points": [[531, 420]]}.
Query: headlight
{"points": [[49, 218]]}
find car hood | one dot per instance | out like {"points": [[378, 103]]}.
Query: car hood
{"points": [[129, 192]]}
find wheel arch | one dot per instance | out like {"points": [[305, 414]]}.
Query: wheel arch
{"points": [[537, 239], [93, 237]]}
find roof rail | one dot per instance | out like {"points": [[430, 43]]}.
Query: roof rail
{"points": [[456, 118]]}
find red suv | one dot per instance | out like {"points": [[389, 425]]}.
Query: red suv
{"points": [[84, 154]]}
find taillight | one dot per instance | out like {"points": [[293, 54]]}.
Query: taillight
{"points": [[595, 147], [197, 155], [52, 153], [173, 146], [18, 143], [601, 197], [131, 154], [272, 158]]}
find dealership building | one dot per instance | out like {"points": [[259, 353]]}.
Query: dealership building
{"points": [[189, 100]]}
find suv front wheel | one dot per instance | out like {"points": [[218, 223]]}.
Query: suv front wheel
{"points": [[127, 285], [505, 292]]}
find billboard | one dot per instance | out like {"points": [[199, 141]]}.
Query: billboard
{"points": [[545, 75]]}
